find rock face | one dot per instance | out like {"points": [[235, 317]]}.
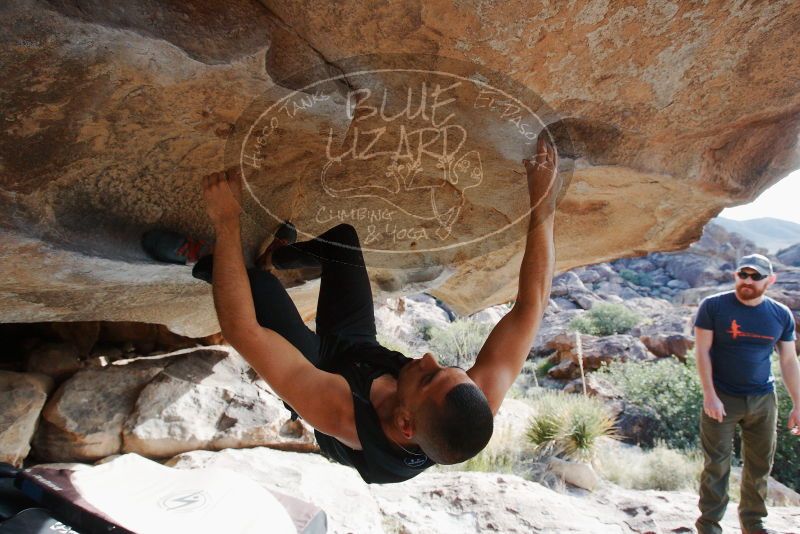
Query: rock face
{"points": [[677, 345], [464, 502], [56, 360], [790, 255], [83, 420], [207, 401], [404, 320], [335, 488], [596, 351], [158, 408], [22, 396], [112, 115]]}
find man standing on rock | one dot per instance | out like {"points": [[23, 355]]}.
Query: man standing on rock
{"points": [[388, 416], [736, 333]]}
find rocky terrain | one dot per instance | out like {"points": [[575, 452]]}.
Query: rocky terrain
{"points": [[112, 113], [663, 288], [104, 390]]}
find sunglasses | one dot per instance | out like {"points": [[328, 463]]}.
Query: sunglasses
{"points": [[755, 276]]}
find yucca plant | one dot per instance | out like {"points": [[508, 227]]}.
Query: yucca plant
{"points": [[569, 425]]}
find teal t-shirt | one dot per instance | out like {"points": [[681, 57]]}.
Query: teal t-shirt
{"points": [[744, 338]]}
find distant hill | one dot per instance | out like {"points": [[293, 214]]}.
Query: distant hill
{"points": [[768, 232]]}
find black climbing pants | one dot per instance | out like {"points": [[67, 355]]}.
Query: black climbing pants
{"points": [[345, 303]]}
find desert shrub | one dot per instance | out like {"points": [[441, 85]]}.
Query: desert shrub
{"points": [[425, 331], [787, 453], [503, 454], [392, 343], [526, 381], [660, 468], [639, 279], [459, 342], [667, 389], [672, 393], [569, 425], [605, 319]]}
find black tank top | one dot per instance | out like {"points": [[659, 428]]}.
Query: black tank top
{"points": [[379, 462]]}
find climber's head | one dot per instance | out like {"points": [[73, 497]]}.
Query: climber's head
{"points": [[443, 410]]}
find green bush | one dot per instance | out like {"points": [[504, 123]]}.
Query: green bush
{"points": [[639, 279], [605, 319], [787, 453], [670, 389], [569, 425], [459, 342]]}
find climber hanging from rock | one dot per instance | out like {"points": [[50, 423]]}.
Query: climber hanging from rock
{"points": [[387, 415]]}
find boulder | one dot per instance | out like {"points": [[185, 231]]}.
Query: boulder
{"points": [[589, 276], [22, 396], [596, 351], [729, 246], [407, 322], [694, 269], [338, 490], [553, 325], [564, 370], [585, 299], [565, 284], [678, 284], [664, 345], [580, 474], [596, 386], [209, 400], [634, 424], [790, 255], [56, 360], [614, 299], [693, 296], [118, 113], [491, 315], [777, 494], [641, 265], [564, 303], [203, 399], [607, 287], [83, 420]]}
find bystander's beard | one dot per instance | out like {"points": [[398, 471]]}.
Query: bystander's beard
{"points": [[749, 294]]}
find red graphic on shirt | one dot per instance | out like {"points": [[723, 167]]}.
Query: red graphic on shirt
{"points": [[735, 332]]}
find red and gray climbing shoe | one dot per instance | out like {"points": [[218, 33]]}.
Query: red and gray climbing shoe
{"points": [[172, 247]]}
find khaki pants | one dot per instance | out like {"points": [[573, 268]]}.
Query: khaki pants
{"points": [[758, 417]]}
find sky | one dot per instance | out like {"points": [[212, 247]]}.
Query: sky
{"points": [[781, 201]]}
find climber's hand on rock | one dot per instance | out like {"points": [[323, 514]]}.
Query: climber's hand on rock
{"points": [[223, 194], [542, 173]]}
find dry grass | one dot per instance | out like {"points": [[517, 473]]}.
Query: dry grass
{"points": [[660, 468]]}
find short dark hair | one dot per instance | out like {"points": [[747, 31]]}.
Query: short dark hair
{"points": [[458, 429]]}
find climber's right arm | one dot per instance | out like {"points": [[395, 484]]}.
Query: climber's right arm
{"points": [[322, 399], [502, 356]]}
